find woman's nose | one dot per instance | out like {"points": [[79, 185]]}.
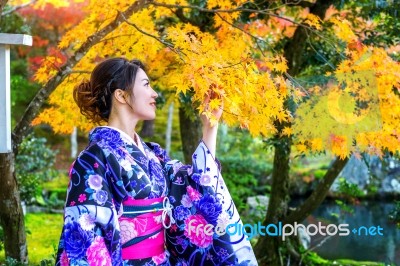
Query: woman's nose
{"points": [[155, 94]]}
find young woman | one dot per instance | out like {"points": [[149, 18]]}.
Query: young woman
{"points": [[128, 203]]}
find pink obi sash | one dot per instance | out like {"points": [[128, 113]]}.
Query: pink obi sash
{"points": [[142, 227]]}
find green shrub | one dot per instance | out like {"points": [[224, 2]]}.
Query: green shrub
{"points": [[394, 214], [240, 177], [1, 239], [245, 165], [349, 189], [34, 164]]}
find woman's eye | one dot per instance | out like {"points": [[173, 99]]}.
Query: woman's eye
{"points": [[146, 84]]}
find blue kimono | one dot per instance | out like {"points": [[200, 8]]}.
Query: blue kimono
{"points": [[131, 204]]}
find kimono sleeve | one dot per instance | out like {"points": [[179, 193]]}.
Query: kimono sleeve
{"points": [[90, 235], [203, 209]]}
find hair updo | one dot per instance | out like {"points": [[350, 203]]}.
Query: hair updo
{"points": [[94, 97]]}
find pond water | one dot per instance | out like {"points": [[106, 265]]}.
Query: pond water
{"points": [[358, 245]]}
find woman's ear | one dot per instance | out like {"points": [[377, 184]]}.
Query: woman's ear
{"points": [[120, 95]]}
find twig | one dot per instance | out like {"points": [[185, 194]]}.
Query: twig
{"points": [[316, 246], [116, 37], [16, 8], [78, 72], [169, 45], [247, 10], [248, 33]]}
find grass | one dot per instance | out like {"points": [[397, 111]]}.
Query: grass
{"points": [[58, 183], [313, 259], [43, 233]]}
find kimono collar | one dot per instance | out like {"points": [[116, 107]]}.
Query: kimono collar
{"points": [[113, 135]]}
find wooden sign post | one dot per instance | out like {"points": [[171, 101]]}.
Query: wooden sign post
{"points": [[11, 215], [5, 100]]}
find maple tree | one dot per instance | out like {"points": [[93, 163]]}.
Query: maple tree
{"points": [[228, 47], [15, 17]]}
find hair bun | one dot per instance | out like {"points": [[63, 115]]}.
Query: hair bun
{"points": [[86, 100]]}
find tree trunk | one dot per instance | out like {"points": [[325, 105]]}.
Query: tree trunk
{"points": [[294, 49], [147, 129], [271, 250], [2, 5], [318, 195], [190, 133], [11, 215], [267, 247]]}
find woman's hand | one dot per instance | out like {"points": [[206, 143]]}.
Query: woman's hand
{"points": [[210, 127]]}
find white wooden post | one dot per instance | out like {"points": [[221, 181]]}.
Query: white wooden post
{"points": [[5, 102]]}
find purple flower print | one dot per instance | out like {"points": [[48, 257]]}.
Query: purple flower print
{"points": [[210, 207], [196, 177], [172, 199], [186, 201], [178, 180], [108, 138], [205, 180], [181, 241], [181, 212], [76, 240], [222, 253], [100, 197], [95, 182]]}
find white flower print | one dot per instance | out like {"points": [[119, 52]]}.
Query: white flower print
{"points": [[86, 222], [126, 165]]}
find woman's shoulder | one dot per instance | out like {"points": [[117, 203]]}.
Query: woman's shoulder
{"points": [[93, 150]]}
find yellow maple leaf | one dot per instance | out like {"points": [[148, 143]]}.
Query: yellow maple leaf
{"points": [[313, 21], [287, 131]]}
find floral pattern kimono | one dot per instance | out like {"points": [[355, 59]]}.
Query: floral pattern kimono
{"points": [[131, 204]]}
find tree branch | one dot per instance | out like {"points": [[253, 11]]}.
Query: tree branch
{"points": [[2, 5], [170, 45], [16, 8], [244, 10], [318, 195], [248, 33], [23, 126], [181, 16], [314, 8], [298, 3]]}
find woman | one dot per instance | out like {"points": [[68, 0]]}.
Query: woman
{"points": [[128, 203]]}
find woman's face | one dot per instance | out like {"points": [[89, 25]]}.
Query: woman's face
{"points": [[143, 98]]}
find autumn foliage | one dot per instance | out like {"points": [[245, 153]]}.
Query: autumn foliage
{"points": [[233, 57]]}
